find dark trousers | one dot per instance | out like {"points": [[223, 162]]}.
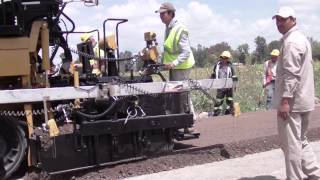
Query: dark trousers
{"points": [[2, 170], [221, 95]]}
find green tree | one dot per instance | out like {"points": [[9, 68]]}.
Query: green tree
{"points": [[315, 45], [273, 45], [261, 49], [200, 55], [243, 53], [218, 48]]}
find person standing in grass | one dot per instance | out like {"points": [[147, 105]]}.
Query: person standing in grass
{"points": [[269, 76], [223, 69], [294, 97]]}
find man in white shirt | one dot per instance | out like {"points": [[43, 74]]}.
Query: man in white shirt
{"points": [[294, 98]]}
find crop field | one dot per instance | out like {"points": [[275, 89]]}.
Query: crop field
{"points": [[249, 92]]}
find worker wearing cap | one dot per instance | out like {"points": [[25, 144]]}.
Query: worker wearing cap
{"points": [[178, 57], [294, 97], [269, 76], [88, 37], [223, 69]]}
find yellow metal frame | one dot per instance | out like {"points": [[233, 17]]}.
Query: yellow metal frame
{"points": [[18, 57]]}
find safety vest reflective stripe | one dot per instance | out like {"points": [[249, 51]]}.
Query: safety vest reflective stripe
{"points": [[95, 63], [176, 40], [96, 50], [230, 99]]}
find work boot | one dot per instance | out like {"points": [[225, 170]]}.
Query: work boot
{"points": [[227, 112], [190, 130], [216, 112]]}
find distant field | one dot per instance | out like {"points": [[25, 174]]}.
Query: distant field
{"points": [[249, 93]]}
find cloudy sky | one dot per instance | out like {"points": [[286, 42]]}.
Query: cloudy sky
{"points": [[209, 21]]}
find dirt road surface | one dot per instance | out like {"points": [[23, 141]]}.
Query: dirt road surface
{"points": [[226, 129]]}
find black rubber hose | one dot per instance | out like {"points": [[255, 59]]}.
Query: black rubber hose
{"points": [[95, 116]]}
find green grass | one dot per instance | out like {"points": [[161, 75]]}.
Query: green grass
{"points": [[249, 92]]}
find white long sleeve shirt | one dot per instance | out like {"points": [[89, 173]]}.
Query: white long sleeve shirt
{"points": [[295, 77]]}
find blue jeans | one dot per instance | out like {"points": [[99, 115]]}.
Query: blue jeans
{"points": [[270, 90]]}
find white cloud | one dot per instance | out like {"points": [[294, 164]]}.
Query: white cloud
{"points": [[208, 28], [205, 25], [72, 9], [301, 5]]}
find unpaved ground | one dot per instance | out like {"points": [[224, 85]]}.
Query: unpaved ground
{"points": [[221, 138]]}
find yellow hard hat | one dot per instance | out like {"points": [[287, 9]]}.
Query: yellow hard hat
{"points": [[275, 52], [226, 54], [85, 36]]}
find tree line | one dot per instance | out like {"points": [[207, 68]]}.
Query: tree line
{"points": [[208, 55]]}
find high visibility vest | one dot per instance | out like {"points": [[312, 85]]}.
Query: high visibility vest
{"points": [[96, 50], [171, 49], [95, 63]]}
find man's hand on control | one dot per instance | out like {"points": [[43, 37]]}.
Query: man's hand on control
{"points": [[169, 66]]}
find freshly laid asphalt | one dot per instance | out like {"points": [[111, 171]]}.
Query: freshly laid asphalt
{"points": [[260, 166], [267, 165]]}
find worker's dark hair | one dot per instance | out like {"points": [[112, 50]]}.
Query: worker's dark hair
{"points": [[173, 14], [294, 20]]}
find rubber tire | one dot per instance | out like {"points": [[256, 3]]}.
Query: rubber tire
{"points": [[13, 145]]}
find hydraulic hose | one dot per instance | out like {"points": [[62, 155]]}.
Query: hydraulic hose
{"points": [[95, 116]]}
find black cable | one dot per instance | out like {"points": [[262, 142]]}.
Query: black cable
{"points": [[64, 23], [54, 51], [100, 59], [71, 21], [90, 116]]}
